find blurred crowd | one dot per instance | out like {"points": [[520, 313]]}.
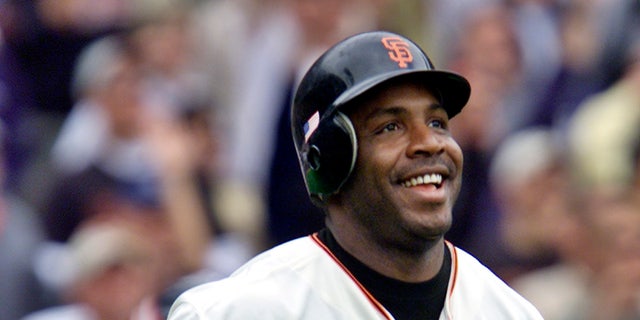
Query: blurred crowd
{"points": [[146, 144]]}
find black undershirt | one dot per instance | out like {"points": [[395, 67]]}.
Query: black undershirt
{"points": [[404, 300]]}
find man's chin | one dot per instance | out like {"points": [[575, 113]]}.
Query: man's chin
{"points": [[435, 232]]}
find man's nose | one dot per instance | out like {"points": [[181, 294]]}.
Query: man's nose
{"points": [[424, 140]]}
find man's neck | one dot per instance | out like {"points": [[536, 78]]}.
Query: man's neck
{"points": [[404, 300], [414, 265]]}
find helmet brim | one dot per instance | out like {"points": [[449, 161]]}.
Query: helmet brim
{"points": [[453, 89]]}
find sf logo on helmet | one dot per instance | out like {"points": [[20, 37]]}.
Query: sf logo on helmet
{"points": [[398, 50]]}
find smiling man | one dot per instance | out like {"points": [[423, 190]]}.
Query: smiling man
{"points": [[370, 122]]}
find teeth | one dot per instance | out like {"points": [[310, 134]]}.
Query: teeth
{"points": [[433, 178]]}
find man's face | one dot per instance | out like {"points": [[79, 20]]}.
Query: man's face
{"points": [[408, 170]]}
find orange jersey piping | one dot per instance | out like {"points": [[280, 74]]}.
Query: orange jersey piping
{"points": [[369, 296]]}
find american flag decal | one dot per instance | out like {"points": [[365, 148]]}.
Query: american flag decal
{"points": [[311, 126]]}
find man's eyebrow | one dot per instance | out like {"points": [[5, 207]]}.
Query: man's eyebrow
{"points": [[437, 106], [386, 111], [398, 110]]}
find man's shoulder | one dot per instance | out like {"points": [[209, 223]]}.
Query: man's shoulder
{"points": [[263, 281], [288, 257]]}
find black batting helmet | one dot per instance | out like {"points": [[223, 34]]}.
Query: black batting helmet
{"points": [[324, 137]]}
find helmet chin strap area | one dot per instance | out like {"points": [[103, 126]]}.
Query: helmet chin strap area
{"points": [[347, 126], [330, 155]]}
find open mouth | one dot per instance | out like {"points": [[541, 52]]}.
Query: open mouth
{"points": [[434, 179]]}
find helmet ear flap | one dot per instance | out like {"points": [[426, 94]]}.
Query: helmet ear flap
{"points": [[330, 155]]}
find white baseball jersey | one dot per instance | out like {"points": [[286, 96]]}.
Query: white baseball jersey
{"points": [[302, 279]]}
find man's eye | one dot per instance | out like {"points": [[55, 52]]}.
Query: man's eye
{"points": [[435, 123], [390, 127]]}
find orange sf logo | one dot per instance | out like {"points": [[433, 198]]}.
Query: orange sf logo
{"points": [[398, 50]]}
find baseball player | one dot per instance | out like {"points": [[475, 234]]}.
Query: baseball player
{"points": [[370, 122]]}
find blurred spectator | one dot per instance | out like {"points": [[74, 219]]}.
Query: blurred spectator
{"points": [[598, 275], [20, 236], [488, 56], [529, 182], [228, 248], [614, 285], [43, 39], [444, 23], [489, 52], [106, 86], [212, 22], [636, 153], [99, 143], [537, 28], [594, 36], [172, 82], [603, 129], [111, 268], [240, 206], [143, 131], [111, 144], [238, 81]]}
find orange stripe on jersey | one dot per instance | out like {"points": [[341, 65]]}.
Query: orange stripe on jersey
{"points": [[454, 269], [454, 273], [369, 296]]}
